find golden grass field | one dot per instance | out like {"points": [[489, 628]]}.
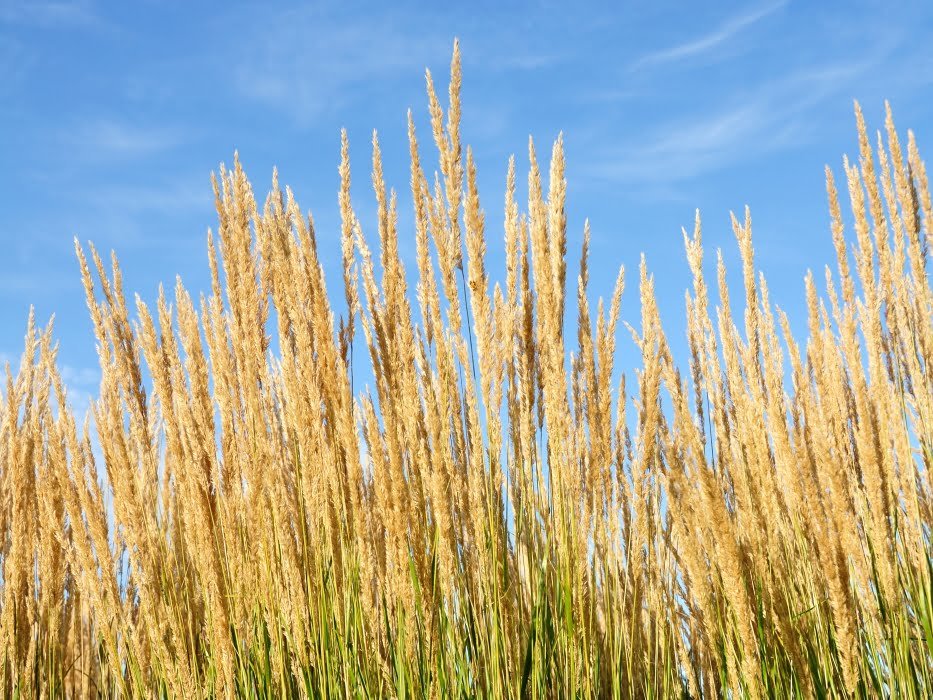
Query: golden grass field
{"points": [[498, 518]]}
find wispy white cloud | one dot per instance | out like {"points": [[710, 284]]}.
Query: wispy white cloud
{"points": [[109, 138], [19, 284], [305, 63], [527, 60], [183, 193], [48, 13], [123, 213], [750, 124], [710, 41], [168, 212]]}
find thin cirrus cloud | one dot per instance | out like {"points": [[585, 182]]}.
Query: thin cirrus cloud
{"points": [[122, 213], [751, 124], [708, 42], [306, 64], [682, 151], [107, 137], [48, 13]]}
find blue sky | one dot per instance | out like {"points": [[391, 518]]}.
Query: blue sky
{"points": [[113, 115]]}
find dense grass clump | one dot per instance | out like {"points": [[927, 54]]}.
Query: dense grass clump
{"points": [[497, 518]]}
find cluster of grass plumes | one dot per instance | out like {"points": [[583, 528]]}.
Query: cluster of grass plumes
{"points": [[497, 519]]}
